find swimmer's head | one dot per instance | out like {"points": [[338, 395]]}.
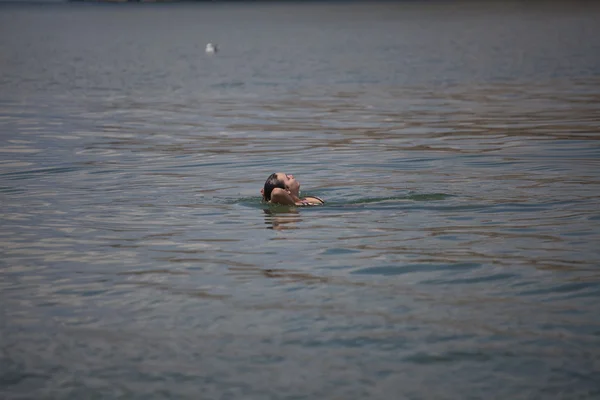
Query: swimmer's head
{"points": [[282, 181]]}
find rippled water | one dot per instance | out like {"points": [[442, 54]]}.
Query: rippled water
{"points": [[457, 147]]}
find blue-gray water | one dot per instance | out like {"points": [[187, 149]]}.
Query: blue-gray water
{"points": [[457, 147]]}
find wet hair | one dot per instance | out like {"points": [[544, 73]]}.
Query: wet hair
{"points": [[272, 183]]}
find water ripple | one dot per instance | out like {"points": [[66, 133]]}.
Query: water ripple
{"points": [[456, 255]]}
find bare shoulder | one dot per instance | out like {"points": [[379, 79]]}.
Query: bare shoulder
{"points": [[281, 196]]}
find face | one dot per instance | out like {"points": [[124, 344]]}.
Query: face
{"points": [[290, 182]]}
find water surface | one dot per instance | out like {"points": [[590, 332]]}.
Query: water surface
{"points": [[456, 145]]}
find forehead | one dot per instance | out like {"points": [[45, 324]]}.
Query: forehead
{"points": [[281, 176]]}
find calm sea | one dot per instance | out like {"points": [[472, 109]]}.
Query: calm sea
{"points": [[457, 146]]}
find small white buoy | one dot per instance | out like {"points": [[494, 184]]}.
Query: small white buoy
{"points": [[211, 48]]}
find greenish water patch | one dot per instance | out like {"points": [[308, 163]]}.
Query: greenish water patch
{"points": [[474, 280], [408, 197], [256, 202], [411, 268], [252, 202], [339, 251]]}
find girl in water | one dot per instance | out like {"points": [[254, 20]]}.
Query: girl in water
{"points": [[283, 189]]}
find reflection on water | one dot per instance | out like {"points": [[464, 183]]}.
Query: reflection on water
{"points": [[456, 256], [284, 218]]}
